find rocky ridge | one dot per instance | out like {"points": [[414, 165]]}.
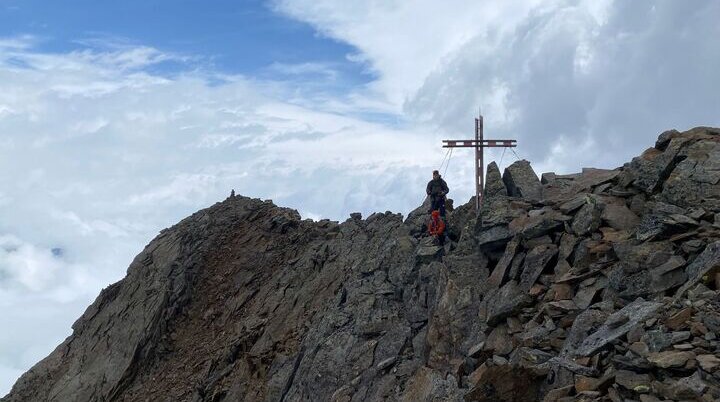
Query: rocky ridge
{"points": [[596, 286]]}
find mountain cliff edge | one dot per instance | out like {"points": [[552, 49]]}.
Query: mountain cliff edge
{"points": [[595, 286]]}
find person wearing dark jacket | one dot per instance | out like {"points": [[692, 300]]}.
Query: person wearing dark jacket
{"points": [[437, 189]]}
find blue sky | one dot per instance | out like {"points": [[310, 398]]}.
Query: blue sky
{"points": [[118, 119], [234, 36]]}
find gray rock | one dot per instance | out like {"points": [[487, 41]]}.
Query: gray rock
{"points": [[632, 381], [587, 219], [632, 314], [494, 185], [536, 261], [500, 273], [505, 302], [709, 259], [541, 225], [494, 237], [664, 139], [619, 217], [655, 281], [521, 181], [694, 181]]}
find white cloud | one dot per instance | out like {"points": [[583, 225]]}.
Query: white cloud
{"points": [[609, 75]]}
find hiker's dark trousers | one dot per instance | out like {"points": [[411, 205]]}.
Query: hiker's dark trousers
{"points": [[438, 204]]}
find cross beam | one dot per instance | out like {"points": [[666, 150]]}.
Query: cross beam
{"points": [[479, 143]]}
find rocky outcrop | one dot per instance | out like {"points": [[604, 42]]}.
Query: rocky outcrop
{"points": [[595, 286]]}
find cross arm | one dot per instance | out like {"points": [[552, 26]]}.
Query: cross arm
{"points": [[479, 143]]}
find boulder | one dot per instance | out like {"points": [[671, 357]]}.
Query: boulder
{"points": [[494, 237], [670, 359], [536, 261], [494, 185], [632, 381], [704, 263], [505, 302], [505, 384], [617, 325], [500, 273], [587, 219], [619, 217], [521, 181]]}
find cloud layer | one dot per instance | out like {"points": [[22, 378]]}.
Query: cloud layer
{"points": [[103, 146]]}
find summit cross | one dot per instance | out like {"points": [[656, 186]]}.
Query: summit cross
{"points": [[479, 143]]}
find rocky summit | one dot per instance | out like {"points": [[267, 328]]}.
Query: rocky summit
{"points": [[595, 286]]}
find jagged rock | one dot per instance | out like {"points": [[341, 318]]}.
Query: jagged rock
{"points": [[630, 315], [532, 227], [500, 273], [494, 237], [428, 251], [588, 291], [709, 363], [574, 204], [619, 217], [428, 385], [505, 302], [494, 185], [679, 320], [521, 181], [687, 388], [694, 181], [632, 381], [664, 139], [670, 359], [562, 187], [498, 342], [708, 260], [505, 384], [656, 280], [587, 219], [535, 263]]}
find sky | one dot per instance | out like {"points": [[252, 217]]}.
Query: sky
{"points": [[118, 119]]}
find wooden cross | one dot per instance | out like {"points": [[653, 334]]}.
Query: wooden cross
{"points": [[479, 143]]}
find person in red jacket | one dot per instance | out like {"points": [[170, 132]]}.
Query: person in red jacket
{"points": [[436, 227]]}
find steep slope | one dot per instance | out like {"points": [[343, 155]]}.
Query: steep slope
{"points": [[596, 286]]}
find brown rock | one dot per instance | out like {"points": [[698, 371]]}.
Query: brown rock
{"points": [[562, 291], [635, 333], [557, 394], [583, 383], [698, 329], [639, 348], [476, 375], [670, 359], [709, 363], [619, 217], [505, 384], [635, 382], [498, 342], [536, 290], [678, 320]]}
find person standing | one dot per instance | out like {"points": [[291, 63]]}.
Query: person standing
{"points": [[437, 189]]}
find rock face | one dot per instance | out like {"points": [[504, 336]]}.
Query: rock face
{"points": [[596, 286]]}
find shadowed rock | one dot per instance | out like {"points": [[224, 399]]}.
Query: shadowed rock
{"points": [[521, 181]]}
